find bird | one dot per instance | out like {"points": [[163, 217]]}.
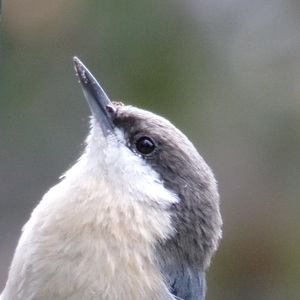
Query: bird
{"points": [[136, 217]]}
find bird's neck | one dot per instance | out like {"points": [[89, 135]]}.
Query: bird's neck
{"points": [[86, 244]]}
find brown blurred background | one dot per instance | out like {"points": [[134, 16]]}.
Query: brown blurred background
{"points": [[226, 72]]}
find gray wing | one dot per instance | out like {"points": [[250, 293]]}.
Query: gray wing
{"points": [[187, 283]]}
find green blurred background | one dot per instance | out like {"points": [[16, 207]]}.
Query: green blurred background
{"points": [[226, 72]]}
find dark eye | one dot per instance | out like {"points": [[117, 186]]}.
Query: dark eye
{"points": [[145, 145]]}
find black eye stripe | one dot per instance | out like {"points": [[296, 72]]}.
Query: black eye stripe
{"points": [[145, 145]]}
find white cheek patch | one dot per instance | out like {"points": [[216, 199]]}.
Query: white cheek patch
{"points": [[139, 179], [124, 170]]}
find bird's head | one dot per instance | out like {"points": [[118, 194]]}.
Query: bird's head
{"points": [[150, 162]]}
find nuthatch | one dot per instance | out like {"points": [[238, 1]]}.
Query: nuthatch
{"points": [[137, 216]]}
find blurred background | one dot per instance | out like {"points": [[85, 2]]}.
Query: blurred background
{"points": [[226, 72]]}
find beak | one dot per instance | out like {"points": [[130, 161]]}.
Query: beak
{"points": [[98, 101]]}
